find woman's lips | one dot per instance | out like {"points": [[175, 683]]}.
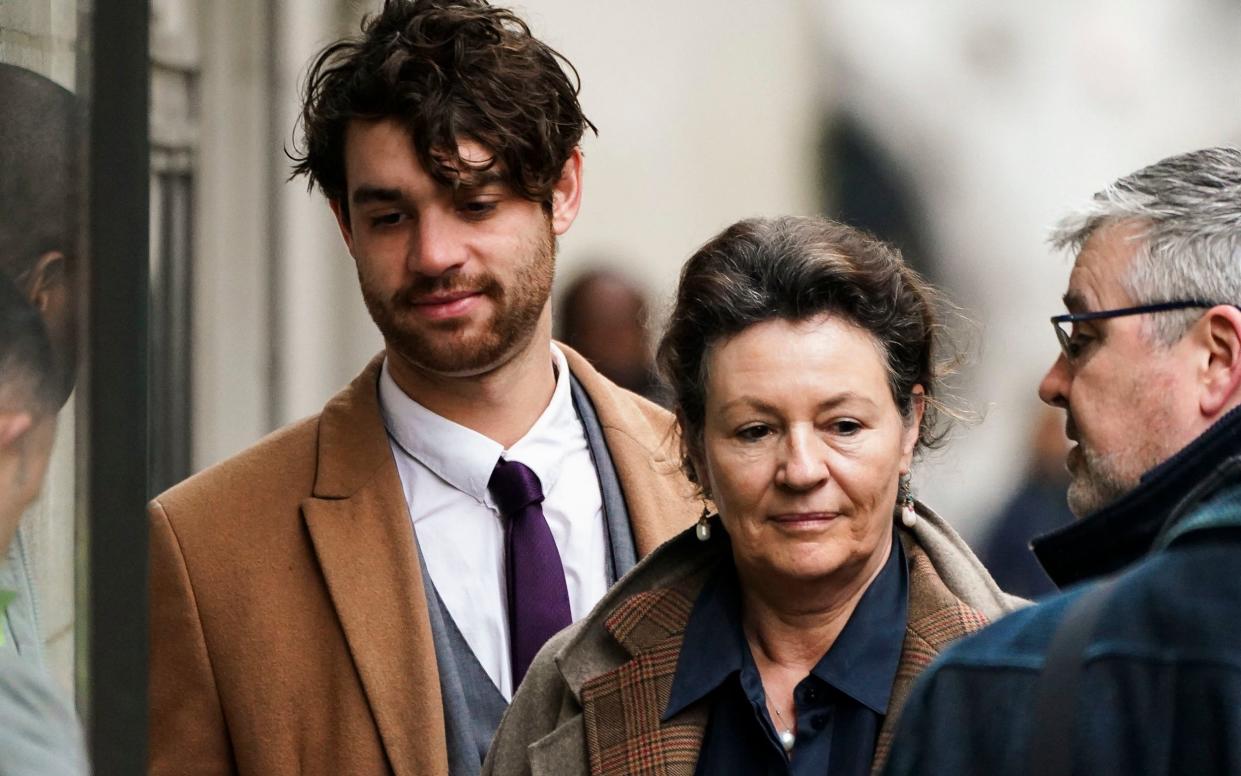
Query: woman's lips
{"points": [[804, 519], [440, 306]]}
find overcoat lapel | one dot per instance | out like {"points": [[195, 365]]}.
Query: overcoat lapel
{"points": [[622, 708], [936, 619], [646, 456], [359, 525]]}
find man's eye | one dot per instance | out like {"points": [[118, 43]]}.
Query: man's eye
{"points": [[477, 208], [387, 219], [1078, 344]]}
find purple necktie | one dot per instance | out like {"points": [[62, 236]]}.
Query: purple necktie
{"points": [[538, 599]]}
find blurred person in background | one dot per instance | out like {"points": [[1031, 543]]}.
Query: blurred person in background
{"points": [[1134, 669], [603, 316], [39, 733], [362, 591], [781, 635], [1038, 507], [39, 216]]}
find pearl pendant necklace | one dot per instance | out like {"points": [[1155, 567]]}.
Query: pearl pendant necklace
{"points": [[787, 739]]}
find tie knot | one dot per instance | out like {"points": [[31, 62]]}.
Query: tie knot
{"points": [[514, 486]]}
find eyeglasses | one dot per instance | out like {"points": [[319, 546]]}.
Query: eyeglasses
{"points": [[1063, 323]]}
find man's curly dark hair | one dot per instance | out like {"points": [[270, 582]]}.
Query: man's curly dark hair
{"points": [[448, 70]]}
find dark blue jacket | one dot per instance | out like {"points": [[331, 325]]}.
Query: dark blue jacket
{"points": [[1160, 688]]}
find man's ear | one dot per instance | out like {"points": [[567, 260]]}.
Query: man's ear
{"points": [[342, 221], [47, 279], [1220, 334], [567, 193], [12, 426]]}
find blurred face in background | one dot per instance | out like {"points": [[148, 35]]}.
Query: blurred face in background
{"points": [[802, 448], [603, 318]]}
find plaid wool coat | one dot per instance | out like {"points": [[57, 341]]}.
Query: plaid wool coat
{"points": [[593, 699]]}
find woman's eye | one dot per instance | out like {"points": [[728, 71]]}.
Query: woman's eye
{"points": [[846, 427], [753, 433]]}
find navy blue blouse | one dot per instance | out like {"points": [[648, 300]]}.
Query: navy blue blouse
{"points": [[840, 705]]}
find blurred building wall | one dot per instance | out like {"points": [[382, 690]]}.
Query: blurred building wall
{"points": [[1004, 116]]}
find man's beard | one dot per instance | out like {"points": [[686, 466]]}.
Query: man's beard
{"points": [[441, 347], [1096, 480]]}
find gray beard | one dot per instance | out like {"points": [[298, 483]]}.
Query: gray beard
{"points": [[1096, 482]]}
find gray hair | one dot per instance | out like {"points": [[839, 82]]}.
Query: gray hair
{"points": [[1188, 208]]}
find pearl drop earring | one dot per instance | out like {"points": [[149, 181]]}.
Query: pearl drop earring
{"points": [[905, 496]]}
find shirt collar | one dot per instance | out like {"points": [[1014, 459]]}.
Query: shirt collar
{"points": [[556, 434], [464, 458], [862, 662], [714, 646]]}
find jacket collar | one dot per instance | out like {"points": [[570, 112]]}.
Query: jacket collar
{"points": [[1124, 531], [352, 422]]}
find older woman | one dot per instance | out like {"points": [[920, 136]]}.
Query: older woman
{"points": [[781, 635]]}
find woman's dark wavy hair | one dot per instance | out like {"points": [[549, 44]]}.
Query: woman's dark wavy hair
{"points": [[449, 70], [794, 269]]}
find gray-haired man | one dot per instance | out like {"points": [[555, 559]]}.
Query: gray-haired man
{"points": [[1137, 669]]}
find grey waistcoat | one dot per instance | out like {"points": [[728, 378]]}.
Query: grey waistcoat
{"points": [[472, 703]]}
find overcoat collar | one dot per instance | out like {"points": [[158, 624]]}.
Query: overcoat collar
{"points": [[642, 451], [623, 687]]}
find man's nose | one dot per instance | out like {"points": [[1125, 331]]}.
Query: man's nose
{"points": [[1054, 388], [438, 247]]}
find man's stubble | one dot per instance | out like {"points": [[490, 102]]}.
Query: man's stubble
{"points": [[444, 347]]}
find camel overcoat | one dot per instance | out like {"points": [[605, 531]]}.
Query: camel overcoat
{"points": [[289, 625], [593, 700]]}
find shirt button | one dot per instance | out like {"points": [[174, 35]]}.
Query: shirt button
{"points": [[811, 694], [818, 721]]}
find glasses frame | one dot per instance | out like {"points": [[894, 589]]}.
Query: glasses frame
{"points": [[1065, 338]]}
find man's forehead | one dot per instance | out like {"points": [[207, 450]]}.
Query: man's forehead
{"points": [[474, 166], [371, 145], [1101, 265]]}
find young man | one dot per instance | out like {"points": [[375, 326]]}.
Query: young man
{"points": [[38, 731], [362, 591], [1134, 670]]}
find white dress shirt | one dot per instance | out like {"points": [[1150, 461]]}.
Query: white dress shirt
{"points": [[444, 469]]}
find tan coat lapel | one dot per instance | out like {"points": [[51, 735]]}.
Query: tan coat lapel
{"points": [[936, 619], [359, 526], [642, 442]]}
